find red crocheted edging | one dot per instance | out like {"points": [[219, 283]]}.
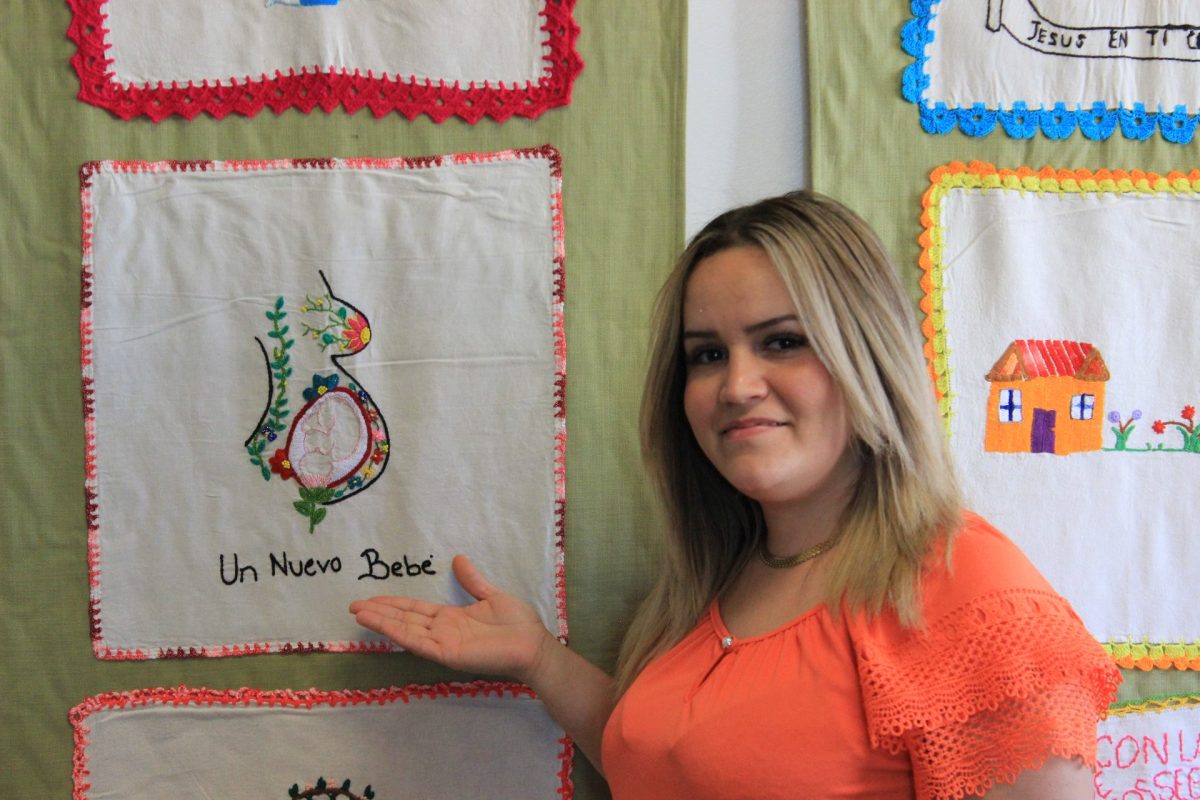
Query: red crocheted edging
{"points": [[898, 704], [325, 88], [558, 329], [288, 698]]}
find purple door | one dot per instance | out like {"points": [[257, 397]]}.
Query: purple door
{"points": [[1042, 438]]}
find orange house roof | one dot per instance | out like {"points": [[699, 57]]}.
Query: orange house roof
{"points": [[1025, 359]]}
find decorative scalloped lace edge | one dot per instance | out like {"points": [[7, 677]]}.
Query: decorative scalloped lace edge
{"points": [[1154, 705], [984, 177], [87, 281], [1020, 121], [326, 88], [898, 713], [288, 698]]}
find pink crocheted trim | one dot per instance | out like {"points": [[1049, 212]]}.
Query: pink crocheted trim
{"points": [[558, 330], [988, 690], [287, 698], [326, 88]]}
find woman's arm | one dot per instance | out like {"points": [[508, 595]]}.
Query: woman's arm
{"points": [[1057, 779], [499, 634]]}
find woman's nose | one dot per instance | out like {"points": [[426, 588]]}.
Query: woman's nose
{"points": [[744, 379]]}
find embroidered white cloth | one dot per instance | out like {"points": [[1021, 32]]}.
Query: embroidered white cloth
{"points": [[1056, 64], [1150, 749], [447, 741], [440, 57], [1062, 330], [308, 382]]}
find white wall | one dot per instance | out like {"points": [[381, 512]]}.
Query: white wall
{"points": [[747, 126]]}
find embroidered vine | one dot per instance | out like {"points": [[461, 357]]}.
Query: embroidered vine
{"points": [[275, 418], [337, 444], [1123, 429], [324, 789], [1186, 427]]}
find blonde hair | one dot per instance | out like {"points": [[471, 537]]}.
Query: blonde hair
{"points": [[858, 320]]}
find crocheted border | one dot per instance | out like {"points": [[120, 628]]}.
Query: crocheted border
{"points": [[92, 168], [1098, 121], [314, 87], [1153, 705], [985, 177], [185, 696]]}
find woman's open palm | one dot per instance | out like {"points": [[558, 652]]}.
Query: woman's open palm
{"points": [[498, 634]]}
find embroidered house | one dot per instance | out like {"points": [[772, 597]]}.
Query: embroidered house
{"points": [[1047, 396]]}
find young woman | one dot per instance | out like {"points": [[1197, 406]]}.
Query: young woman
{"points": [[827, 623]]}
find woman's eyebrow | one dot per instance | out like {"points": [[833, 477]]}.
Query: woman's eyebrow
{"points": [[755, 328]]}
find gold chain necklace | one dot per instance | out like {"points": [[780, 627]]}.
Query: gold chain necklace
{"points": [[776, 562]]}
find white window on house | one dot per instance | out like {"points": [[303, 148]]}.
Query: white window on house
{"points": [[1082, 406], [1010, 405]]}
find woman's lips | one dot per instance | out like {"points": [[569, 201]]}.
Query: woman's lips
{"points": [[751, 426]]}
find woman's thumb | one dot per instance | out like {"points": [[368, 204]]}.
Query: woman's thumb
{"points": [[471, 579]]}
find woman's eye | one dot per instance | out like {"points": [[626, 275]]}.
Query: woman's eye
{"points": [[705, 355], [787, 342]]}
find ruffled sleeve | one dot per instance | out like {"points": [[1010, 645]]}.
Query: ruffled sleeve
{"points": [[1003, 674]]}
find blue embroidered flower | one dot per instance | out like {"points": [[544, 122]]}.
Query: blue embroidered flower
{"points": [[1178, 126], [1020, 122], [977, 120], [354, 482], [1058, 122], [1098, 122], [269, 432], [320, 386], [1137, 123], [938, 119]]}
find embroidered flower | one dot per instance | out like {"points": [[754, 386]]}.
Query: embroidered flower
{"points": [[1159, 426], [377, 435], [281, 466], [269, 432], [368, 472], [320, 386], [354, 482], [357, 333], [384, 447], [377, 456], [1114, 416], [1188, 413]]}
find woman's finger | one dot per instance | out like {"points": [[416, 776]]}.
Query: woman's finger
{"points": [[471, 578]]}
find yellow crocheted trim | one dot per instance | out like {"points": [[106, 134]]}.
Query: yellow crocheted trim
{"points": [[1148, 656], [984, 177], [1154, 705]]}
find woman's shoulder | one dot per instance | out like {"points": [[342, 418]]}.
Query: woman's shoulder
{"points": [[979, 560]]}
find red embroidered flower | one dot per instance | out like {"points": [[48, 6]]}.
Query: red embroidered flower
{"points": [[377, 456], [358, 333], [1188, 413], [280, 465], [1159, 426]]}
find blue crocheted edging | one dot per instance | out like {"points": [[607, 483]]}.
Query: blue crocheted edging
{"points": [[1020, 121]]}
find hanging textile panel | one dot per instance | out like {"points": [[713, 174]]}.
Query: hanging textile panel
{"points": [[1150, 748], [311, 381], [1061, 336], [444, 58], [442, 741], [1020, 66]]}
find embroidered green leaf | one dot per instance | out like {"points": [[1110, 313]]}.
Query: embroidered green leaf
{"points": [[279, 302], [342, 312], [266, 473], [369, 793], [304, 507]]}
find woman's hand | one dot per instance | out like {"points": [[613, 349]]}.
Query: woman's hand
{"points": [[499, 634]]}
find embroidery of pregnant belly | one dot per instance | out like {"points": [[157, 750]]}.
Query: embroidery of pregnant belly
{"points": [[337, 444]]}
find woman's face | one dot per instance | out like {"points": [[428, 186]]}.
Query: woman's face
{"points": [[761, 404]]}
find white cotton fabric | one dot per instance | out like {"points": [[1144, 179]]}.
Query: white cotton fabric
{"points": [[450, 40], [1113, 531], [1153, 753], [453, 267], [505, 748], [968, 63]]}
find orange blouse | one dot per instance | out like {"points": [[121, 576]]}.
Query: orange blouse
{"points": [[1002, 675]]}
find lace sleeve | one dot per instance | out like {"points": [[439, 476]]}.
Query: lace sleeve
{"points": [[987, 690]]}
